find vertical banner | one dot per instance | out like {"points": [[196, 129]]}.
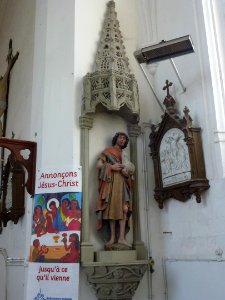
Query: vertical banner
{"points": [[55, 243]]}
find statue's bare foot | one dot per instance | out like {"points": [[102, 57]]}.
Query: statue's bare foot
{"points": [[110, 243], [124, 242]]}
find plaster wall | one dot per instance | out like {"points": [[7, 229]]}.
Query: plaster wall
{"points": [[41, 105], [187, 230], [3, 274], [17, 23]]}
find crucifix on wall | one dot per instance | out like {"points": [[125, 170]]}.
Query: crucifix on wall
{"points": [[4, 86], [14, 211]]}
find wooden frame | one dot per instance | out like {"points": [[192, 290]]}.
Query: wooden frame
{"points": [[177, 154], [13, 182], [13, 191]]}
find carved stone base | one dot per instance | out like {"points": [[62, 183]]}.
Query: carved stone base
{"points": [[115, 281]]}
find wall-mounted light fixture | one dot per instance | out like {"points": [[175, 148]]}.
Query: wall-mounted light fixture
{"points": [[165, 50]]}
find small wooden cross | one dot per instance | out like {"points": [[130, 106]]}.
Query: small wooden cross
{"points": [[167, 86]]}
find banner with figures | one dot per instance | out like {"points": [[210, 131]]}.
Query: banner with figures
{"points": [[55, 243]]}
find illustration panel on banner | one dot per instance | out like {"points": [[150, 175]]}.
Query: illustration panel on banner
{"points": [[56, 227]]}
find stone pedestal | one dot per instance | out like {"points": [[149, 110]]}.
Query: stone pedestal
{"points": [[115, 280]]}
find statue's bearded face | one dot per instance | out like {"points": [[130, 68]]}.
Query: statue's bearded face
{"points": [[121, 140]]}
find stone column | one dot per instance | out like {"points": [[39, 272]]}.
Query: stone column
{"points": [[134, 131], [87, 249]]}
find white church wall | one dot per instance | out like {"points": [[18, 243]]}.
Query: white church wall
{"points": [[53, 89], [214, 17], [41, 102], [3, 274], [179, 283], [147, 35], [17, 23], [20, 28], [187, 230]]}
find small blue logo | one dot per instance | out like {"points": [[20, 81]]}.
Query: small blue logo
{"points": [[40, 296]]}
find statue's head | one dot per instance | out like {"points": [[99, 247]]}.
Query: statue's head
{"points": [[114, 140]]}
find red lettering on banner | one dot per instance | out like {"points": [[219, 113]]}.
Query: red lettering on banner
{"points": [[63, 183], [60, 278], [48, 276], [45, 185], [61, 175]]}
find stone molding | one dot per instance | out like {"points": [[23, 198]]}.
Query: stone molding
{"points": [[134, 130], [86, 122]]}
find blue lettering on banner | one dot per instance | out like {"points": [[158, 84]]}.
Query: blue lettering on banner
{"points": [[40, 296], [50, 298]]}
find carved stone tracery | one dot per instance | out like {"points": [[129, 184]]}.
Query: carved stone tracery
{"points": [[111, 86], [115, 281]]}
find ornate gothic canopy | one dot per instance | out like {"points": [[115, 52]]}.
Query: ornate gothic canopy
{"points": [[111, 86]]}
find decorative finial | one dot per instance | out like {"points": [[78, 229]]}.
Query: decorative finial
{"points": [[169, 101], [111, 3], [111, 53], [167, 86], [187, 119]]}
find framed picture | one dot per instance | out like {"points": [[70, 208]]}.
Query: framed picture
{"points": [[177, 154]]}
